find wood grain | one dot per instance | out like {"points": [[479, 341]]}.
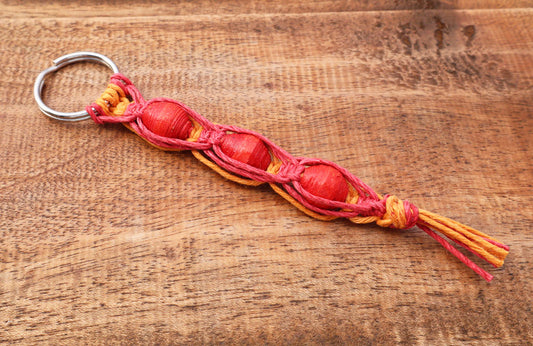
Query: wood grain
{"points": [[141, 8], [107, 240]]}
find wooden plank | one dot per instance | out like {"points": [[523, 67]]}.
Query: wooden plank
{"points": [[105, 239], [141, 8]]}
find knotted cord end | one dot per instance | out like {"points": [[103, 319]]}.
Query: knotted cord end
{"points": [[111, 106], [403, 215], [398, 214]]}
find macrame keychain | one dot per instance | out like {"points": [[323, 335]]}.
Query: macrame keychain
{"points": [[319, 188]]}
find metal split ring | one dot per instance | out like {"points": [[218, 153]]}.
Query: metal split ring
{"points": [[58, 64]]}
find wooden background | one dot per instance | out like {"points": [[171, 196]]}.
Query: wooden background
{"points": [[105, 239]]}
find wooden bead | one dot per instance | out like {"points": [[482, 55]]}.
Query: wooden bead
{"points": [[167, 119], [326, 182], [246, 148]]}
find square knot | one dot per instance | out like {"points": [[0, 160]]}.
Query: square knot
{"points": [[136, 109], [212, 137], [291, 171], [398, 214]]}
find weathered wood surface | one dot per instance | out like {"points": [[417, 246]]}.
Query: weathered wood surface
{"points": [[104, 239]]}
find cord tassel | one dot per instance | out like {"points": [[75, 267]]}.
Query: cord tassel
{"points": [[475, 241]]}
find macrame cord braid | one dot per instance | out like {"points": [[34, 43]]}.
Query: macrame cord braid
{"points": [[319, 188]]}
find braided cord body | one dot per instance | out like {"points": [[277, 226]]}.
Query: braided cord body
{"points": [[123, 103]]}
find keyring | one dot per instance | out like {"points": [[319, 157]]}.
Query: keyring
{"points": [[59, 63], [319, 188]]}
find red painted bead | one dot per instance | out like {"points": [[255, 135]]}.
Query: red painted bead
{"points": [[246, 148], [167, 119], [326, 182]]}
